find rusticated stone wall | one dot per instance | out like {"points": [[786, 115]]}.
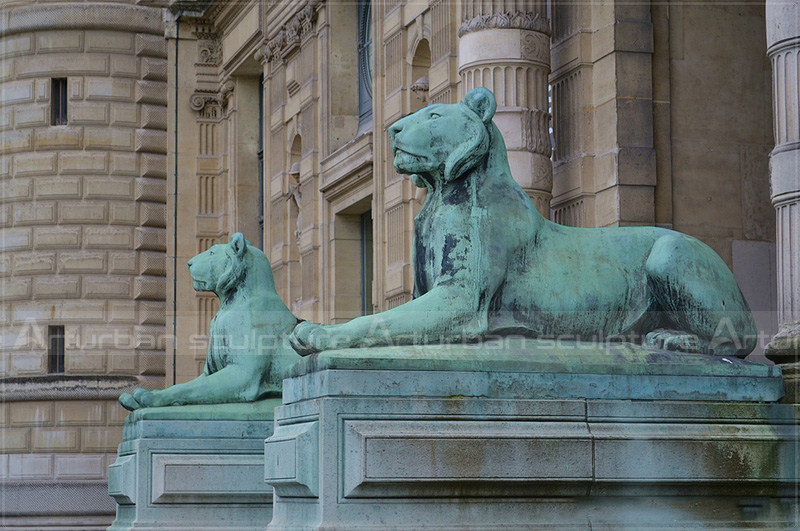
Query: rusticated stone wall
{"points": [[82, 211]]}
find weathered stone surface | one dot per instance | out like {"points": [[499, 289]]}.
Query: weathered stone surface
{"points": [[519, 368], [192, 467], [372, 452]]}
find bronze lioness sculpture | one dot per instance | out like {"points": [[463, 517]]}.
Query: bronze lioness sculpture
{"points": [[248, 351], [487, 263]]}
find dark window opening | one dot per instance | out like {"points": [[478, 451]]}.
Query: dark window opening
{"points": [[58, 101], [261, 163], [364, 64], [366, 263], [55, 353]]}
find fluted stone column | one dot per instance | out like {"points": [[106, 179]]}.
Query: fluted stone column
{"points": [[509, 53], [783, 42]]}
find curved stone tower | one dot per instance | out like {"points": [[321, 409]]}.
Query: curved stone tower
{"points": [[83, 122]]}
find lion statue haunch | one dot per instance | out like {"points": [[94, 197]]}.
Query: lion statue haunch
{"points": [[248, 350], [486, 263]]}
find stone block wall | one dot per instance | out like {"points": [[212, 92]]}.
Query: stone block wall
{"points": [[82, 244]]}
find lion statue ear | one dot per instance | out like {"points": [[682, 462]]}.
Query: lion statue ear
{"points": [[467, 154], [238, 244], [481, 101]]}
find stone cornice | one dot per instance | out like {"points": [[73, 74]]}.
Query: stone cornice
{"points": [[524, 20], [66, 387], [138, 19], [296, 29]]}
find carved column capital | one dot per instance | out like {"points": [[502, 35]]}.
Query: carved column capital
{"points": [[524, 20], [200, 99]]}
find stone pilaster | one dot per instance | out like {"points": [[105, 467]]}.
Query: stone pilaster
{"points": [[783, 42], [509, 53]]}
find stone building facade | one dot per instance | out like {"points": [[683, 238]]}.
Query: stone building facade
{"points": [[83, 118], [192, 120]]}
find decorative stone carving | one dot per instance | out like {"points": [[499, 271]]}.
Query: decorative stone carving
{"points": [[516, 20], [200, 99], [487, 264], [297, 29], [536, 132], [420, 88], [535, 47], [209, 49]]}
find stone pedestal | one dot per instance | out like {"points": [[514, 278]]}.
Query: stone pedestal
{"points": [[193, 468], [458, 437]]}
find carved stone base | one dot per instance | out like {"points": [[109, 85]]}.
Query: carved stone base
{"points": [[784, 350], [193, 467], [366, 442]]}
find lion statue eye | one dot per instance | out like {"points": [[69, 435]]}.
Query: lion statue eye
{"points": [[434, 116]]}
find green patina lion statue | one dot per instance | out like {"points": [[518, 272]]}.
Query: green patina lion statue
{"points": [[248, 351], [487, 263]]}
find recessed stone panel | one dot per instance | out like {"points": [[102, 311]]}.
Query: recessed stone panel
{"points": [[31, 115], [35, 213], [56, 237], [403, 456], [82, 262], [34, 263], [16, 190], [109, 41], [126, 115], [83, 212], [58, 287], [55, 65], [88, 113], [109, 89], [124, 66], [108, 187], [182, 478], [108, 237], [58, 188], [14, 141], [59, 137], [15, 239], [82, 163], [110, 138], [16, 45], [59, 41], [55, 439], [124, 164], [35, 164]]}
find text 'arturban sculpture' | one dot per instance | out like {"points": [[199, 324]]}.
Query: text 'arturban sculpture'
{"points": [[487, 263]]}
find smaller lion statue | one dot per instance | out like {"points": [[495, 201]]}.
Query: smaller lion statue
{"points": [[486, 263], [248, 350]]}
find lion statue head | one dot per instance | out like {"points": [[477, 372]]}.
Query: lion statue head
{"points": [[443, 141], [221, 268]]}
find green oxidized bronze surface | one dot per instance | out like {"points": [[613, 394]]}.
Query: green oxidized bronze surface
{"points": [[486, 263], [248, 351]]}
